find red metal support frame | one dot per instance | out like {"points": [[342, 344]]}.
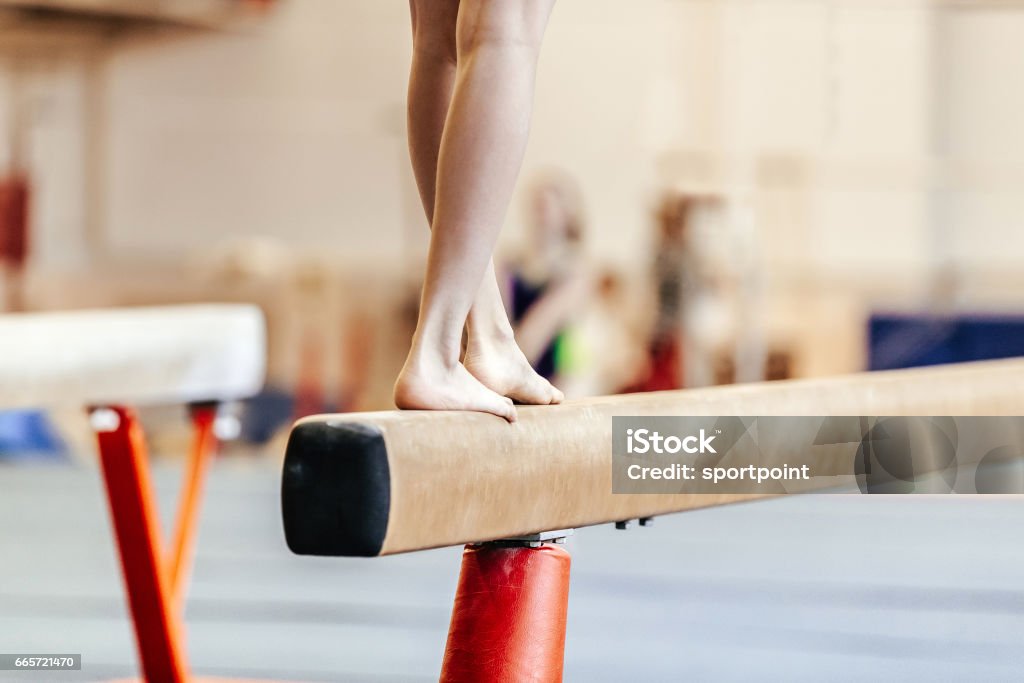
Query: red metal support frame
{"points": [[155, 583], [204, 445], [158, 627]]}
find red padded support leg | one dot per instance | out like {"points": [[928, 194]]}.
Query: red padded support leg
{"points": [[508, 623]]}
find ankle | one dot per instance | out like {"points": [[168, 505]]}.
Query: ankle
{"points": [[424, 357], [488, 336]]}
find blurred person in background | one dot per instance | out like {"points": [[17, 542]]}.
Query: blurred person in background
{"points": [[548, 281], [694, 313], [469, 105], [673, 279]]}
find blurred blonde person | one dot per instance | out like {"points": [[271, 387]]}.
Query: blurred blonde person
{"points": [[549, 282]]}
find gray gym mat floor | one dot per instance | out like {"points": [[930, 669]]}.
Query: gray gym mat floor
{"points": [[811, 588]]}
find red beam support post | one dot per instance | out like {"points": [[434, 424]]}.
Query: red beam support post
{"points": [[508, 622]]}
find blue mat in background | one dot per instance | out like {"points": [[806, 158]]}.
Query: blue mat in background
{"points": [[906, 341], [29, 435]]}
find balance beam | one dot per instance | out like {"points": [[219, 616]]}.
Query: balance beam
{"points": [[109, 360], [166, 354], [390, 482]]}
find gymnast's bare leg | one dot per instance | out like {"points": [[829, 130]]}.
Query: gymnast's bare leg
{"points": [[470, 95]]}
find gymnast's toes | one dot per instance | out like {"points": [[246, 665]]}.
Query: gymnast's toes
{"points": [[509, 374]]}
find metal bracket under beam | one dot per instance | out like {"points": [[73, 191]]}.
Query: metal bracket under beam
{"points": [[535, 540]]}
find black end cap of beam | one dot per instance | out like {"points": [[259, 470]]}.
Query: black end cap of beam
{"points": [[335, 489]]}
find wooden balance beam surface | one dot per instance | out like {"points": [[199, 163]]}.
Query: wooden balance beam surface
{"points": [[165, 354], [391, 482]]}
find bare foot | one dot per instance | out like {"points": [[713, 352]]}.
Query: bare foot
{"points": [[433, 386], [502, 367]]}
